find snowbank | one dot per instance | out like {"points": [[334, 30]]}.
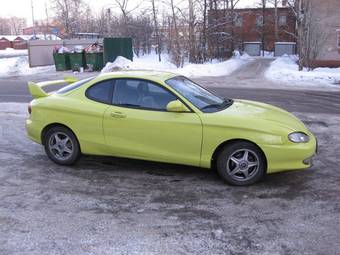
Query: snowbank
{"points": [[150, 62], [285, 70], [9, 52], [18, 109], [19, 66]]}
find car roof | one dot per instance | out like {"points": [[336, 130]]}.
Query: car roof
{"points": [[141, 74]]}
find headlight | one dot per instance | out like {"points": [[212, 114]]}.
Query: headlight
{"points": [[298, 137]]}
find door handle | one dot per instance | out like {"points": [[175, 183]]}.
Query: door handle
{"points": [[118, 115]]}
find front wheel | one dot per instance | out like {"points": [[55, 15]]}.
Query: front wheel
{"points": [[241, 163], [61, 146]]}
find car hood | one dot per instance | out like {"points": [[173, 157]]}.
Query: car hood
{"points": [[256, 112]]}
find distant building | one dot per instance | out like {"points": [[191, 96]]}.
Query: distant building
{"points": [[5, 42], [250, 25], [327, 14], [13, 41], [21, 41], [41, 27]]}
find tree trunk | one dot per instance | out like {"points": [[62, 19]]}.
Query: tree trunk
{"points": [[276, 20], [192, 41], [177, 50], [263, 25], [159, 48], [204, 41]]}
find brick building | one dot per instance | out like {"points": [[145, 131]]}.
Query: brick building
{"points": [[5, 42], [327, 16], [13, 41], [250, 25]]}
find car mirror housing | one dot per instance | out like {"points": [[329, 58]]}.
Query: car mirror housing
{"points": [[176, 106]]}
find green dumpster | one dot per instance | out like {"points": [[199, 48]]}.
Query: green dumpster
{"points": [[94, 61], [61, 61], [77, 60], [114, 47]]}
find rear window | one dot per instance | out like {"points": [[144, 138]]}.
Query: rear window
{"points": [[73, 86]]}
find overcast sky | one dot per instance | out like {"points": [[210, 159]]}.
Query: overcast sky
{"points": [[22, 8]]}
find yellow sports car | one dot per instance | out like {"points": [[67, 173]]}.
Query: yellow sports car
{"points": [[163, 117]]}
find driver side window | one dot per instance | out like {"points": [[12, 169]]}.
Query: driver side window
{"points": [[141, 94]]}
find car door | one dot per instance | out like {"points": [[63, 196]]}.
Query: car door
{"points": [[138, 125]]}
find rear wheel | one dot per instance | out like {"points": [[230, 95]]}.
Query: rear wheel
{"points": [[61, 146], [241, 163]]}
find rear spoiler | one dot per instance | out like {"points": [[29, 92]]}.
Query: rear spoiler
{"points": [[36, 88]]}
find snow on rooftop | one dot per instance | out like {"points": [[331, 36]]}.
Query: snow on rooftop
{"points": [[31, 37], [9, 37], [285, 43]]}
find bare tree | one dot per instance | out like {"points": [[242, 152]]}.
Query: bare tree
{"points": [[69, 13], [123, 6], [176, 47], [276, 17], [155, 20], [313, 36]]}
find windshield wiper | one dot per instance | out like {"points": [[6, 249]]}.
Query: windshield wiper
{"points": [[224, 104]]}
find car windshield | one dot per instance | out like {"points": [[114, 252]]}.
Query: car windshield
{"points": [[198, 96], [73, 86]]}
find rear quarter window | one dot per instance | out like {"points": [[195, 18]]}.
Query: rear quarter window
{"points": [[101, 92]]}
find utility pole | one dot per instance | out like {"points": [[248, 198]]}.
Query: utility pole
{"points": [[109, 21], [47, 25], [34, 34]]}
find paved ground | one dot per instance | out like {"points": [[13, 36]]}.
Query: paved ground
{"points": [[121, 206]]}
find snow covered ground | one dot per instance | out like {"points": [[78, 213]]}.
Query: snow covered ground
{"points": [[285, 70], [9, 52], [150, 62], [14, 66]]}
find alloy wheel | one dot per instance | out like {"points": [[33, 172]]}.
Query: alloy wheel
{"points": [[242, 165], [61, 146]]}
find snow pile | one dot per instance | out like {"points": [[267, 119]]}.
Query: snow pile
{"points": [[9, 52], [285, 70], [150, 62], [19, 66], [120, 63], [18, 109], [215, 68]]}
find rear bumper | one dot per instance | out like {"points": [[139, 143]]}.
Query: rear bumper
{"points": [[33, 129]]}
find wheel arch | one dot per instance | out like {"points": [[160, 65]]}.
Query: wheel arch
{"points": [[52, 125], [228, 142]]}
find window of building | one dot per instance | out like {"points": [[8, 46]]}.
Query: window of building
{"points": [[282, 20], [238, 21], [259, 21]]}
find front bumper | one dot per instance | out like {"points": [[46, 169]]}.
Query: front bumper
{"points": [[290, 156]]}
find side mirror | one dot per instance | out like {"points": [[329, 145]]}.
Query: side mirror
{"points": [[176, 106]]}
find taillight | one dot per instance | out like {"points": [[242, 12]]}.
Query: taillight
{"points": [[29, 109]]}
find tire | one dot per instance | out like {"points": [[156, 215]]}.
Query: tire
{"points": [[241, 163], [61, 145]]}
